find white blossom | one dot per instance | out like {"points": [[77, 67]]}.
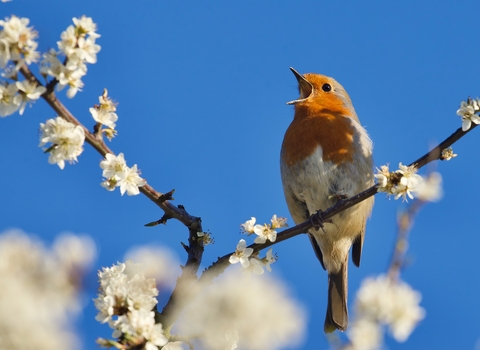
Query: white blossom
{"points": [[242, 254], [122, 289], [248, 225], [255, 266], [4, 52], [130, 181], [383, 177], [125, 300], [104, 113], [87, 49], [78, 45], [17, 41], [118, 174], [85, 25], [467, 112], [69, 41], [408, 182], [400, 183], [8, 101], [28, 92], [269, 259], [66, 140], [264, 232], [113, 166], [278, 222], [448, 154]]}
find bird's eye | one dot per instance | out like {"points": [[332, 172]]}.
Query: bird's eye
{"points": [[326, 87]]}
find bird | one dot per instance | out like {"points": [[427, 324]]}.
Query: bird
{"points": [[326, 156]]}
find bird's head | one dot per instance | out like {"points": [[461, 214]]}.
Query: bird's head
{"points": [[321, 92]]}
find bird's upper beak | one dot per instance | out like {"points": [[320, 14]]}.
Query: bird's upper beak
{"points": [[305, 87]]}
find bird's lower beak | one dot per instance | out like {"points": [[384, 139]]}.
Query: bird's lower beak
{"points": [[304, 86]]}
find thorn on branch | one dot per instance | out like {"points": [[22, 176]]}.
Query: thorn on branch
{"points": [[186, 247], [162, 220], [166, 197]]}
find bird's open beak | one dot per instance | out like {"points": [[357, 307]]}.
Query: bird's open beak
{"points": [[305, 87]]}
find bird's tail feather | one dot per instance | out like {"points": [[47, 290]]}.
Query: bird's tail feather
{"points": [[337, 314]]}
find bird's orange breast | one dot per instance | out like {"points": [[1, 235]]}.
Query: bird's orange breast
{"points": [[324, 127]]}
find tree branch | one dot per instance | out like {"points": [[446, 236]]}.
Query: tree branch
{"points": [[222, 263], [195, 246]]}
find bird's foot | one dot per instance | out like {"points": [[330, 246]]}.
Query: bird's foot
{"points": [[318, 221]]}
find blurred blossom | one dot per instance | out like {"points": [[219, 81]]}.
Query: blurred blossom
{"points": [[156, 262], [75, 252], [175, 345], [365, 334], [384, 302], [430, 190], [38, 296], [244, 313]]}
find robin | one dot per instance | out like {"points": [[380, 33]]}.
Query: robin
{"points": [[326, 156]]}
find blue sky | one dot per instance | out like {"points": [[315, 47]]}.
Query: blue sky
{"points": [[202, 88]]}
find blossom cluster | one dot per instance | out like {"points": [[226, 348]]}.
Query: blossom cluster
{"points": [[265, 232], [468, 112], [240, 312], [104, 114], [66, 140], [79, 47], [118, 174], [40, 298], [384, 302], [250, 261], [17, 44], [399, 183], [125, 301]]}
